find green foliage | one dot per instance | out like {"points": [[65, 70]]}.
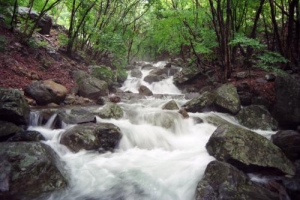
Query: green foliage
{"points": [[247, 42], [63, 39], [270, 62], [121, 75], [103, 73], [35, 44], [3, 44]]}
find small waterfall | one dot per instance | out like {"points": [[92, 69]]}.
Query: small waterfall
{"points": [[50, 122], [35, 118], [165, 86]]}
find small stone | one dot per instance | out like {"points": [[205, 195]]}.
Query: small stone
{"points": [[270, 77]]}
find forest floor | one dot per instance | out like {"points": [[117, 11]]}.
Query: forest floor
{"points": [[21, 64]]}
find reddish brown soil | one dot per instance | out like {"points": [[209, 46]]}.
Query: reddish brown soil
{"points": [[20, 64]]}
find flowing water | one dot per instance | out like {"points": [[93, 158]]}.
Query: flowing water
{"points": [[160, 156]]}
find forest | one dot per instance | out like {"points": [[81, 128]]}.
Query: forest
{"points": [[219, 34]]}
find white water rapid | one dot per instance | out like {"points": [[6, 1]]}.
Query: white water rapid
{"points": [[165, 86], [161, 156]]}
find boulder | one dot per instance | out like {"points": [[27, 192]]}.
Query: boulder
{"points": [[270, 77], [27, 136], [151, 78], [109, 111], [186, 74], [242, 75], [79, 75], [256, 117], [203, 102], [45, 92], [287, 101], [171, 105], [92, 88], [143, 90], [164, 71], [248, 151], [90, 136], [29, 170], [8, 129], [227, 99], [223, 181], [76, 116], [289, 142], [13, 107], [136, 73], [104, 73], [45, 23], [147, 67], [243, 90]]}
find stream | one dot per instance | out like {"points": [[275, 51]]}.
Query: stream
{"points": [[160, 156]]}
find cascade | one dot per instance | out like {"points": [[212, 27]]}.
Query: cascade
{"points": [[161, 155]]}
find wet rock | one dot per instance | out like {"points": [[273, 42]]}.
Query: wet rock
{"points": [[79, 75], [136, 73], [287, 105], [216, 120], [197, 120], [143, 90], [13, 107], [31, 169], [248, 151], [151, 78], [201, 103], [171, 105], [289, 142], [147, 67], [114, 99], [257, 117], [76, 116], [292, 185], [270, 77], [92, 88], [184, 114], [8, 129], [168, 65], [227, 99], [45, 92], [186, 74], [70, 99], [104, 73], [242, 75], [223, 181], [100, 101], [44, 24], [27, 136], [109, 111], [100, 136]]}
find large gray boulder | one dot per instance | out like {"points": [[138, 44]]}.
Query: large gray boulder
{"points": [[171, 105], [227, 99], [256, 117], [247, 150], [104, 73], [289, 142], [110, 110], [100, 137], [287, 103], [223, 181], [44, 24], [8, 129], [136, 73], [13, 107], [29, 170], [143, 90], [92, 88], [186, 74], [151, 78], [76, 116], [203, 102], [45, 92]]}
